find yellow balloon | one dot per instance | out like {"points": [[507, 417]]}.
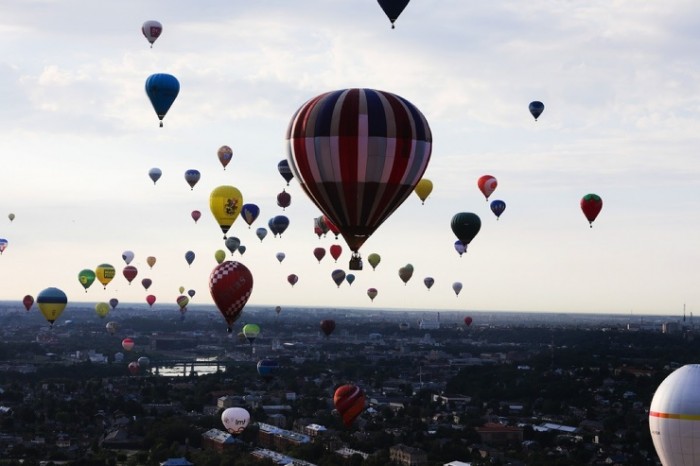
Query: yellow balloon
{"points": [[151, 261], [51, 302], [104, 273], [225, 203], [181, 289], [102, 309], [423, 189], [219, 255]]}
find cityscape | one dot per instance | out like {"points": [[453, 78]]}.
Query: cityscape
{"points": [[440, 388]]}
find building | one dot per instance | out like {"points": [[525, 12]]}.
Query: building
{"points": [[215, 439], [273, 437], [408, 456], [493, 433], [176, 462]]}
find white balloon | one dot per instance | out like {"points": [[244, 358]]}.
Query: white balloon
{"points": [[235, 420], [151, 30], [674, 417]]}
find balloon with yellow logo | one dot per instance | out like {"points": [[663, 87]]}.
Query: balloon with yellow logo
{"points": [[423, 189], [225, 203], [51, 303], [105, 274], [86, 277]]}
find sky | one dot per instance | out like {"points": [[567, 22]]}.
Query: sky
{"points": [[619, 80]]}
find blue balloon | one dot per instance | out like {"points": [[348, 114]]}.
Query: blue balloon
{"points": [[497, 207], [278, 224], [162, 89], [250, 212], [536, 108], [267, 368], [189, 257], [350, 278], [192, 177]]}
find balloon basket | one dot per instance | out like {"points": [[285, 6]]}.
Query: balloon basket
{"points": [[356, 262]]}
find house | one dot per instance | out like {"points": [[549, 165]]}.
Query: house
{"points": [[215, 439], [408, 456], [176, 462], [493, 433]]}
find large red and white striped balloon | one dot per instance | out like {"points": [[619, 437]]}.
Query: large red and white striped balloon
{"points": [[358, 154]]}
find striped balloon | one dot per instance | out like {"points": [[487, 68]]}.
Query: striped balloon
{"points": [[349, 400], [358, 154]]}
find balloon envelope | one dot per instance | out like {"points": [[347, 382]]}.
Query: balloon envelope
{"points": [[51, 302], [428, 281], [338, 276], [393, 8], [235, 420], [151, 261], [146, 282], [232, 244], [251, 332], [487, 185], [468, 321], [261, 233], [423, 189], [192, 177], [285, 171], [104, 274], [374, 259], [150, 299], [128, 344], [102, 309], [162, 90], [292, 279], [358, 154], [225, 203], [130, 273], [250, 212], [267, 368], [151, 30], [154, 174], [113, 303], [225, 154], [536, 108], [189, 257], [230, 285], [465, 225], [591, 204], [28, 301], [219, 255], [128, 256], [327, 326], [457, 287], [319, 253], [349, 400], [372, 293], [498, 207], [86, 277]]}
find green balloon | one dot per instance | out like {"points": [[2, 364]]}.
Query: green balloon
{"points": [[86, 278], [374, 260]]}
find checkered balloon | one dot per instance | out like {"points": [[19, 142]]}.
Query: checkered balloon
{"points": [[230, 284]]}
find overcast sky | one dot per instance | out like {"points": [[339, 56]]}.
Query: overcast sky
{"points": [[619, 79]]}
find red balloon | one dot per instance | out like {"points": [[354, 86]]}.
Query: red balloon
{"points": [[284, 199], [134, 367], [292, 279], [349, 400], [335, 250], [358, 154], [150, 299], [327, 326], [28, 301], [319, 253], [591, 204], [130, 273], [196, 215], [331, 226], [230, 285], [487, 185], [468, 321]]}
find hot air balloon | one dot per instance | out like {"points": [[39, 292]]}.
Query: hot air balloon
{"points": [[393, 8], [112, 327], [192, 176], [285, 171], [151, 30], [267, 368], [196, 215], [487, 185], [250, 212], [280, 256], [189, 257], [423, 189], [278, 309], [130, 273], [143, 362], [338, 276], [536, 108], [358, 154], [127, 257], [284, 199], [327, 327], [113, 303], [128, 343], [150, 299], [241, 249], [104, 274], [162, 90], [3, 245], [232, 244], [374, 259], [591, 205], [330, 226], [457, 287], [225, 203], [468, 321], [146, 283], [460, 247], [86, 277], [28, 301], [182, 301], [428, 282], [372, 293], [320, 226], [11, 216], [133, 367], [230, 285], [219, 255], [498, 207], [261, 233], [102, 309], [225, 154], [350, 278], [151, 261], [235, 420], [51, 302], [278, 224], [251, 332], [154, 174], [465, 225], [181, 289], [292, 279], [191, 293], [349, 400], [405, 273], [335, 250], [319, 253], [674, 417]]}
